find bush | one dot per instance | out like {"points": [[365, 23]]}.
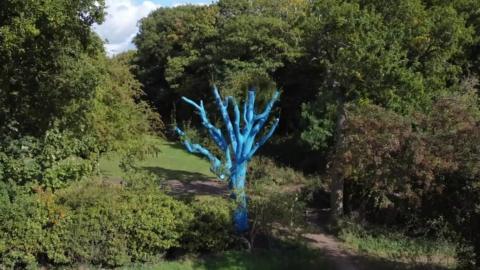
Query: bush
{"points": [[411, 170], [113, 225], [22, 222], [274, 207], [106, 223], [91, 222], [266, 170], [51, 161], [212, 227]]}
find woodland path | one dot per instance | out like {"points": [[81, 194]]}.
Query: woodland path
{"points": [[327, 243]]}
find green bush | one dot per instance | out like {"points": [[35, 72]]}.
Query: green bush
{"points": [[51, 161], [212, 227], [22, 222], [274, 207], [112, 225], [107, 224], [91, 222], [266, 170]]}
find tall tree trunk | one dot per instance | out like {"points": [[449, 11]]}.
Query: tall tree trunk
{"points": [[238, 178], [337, 185]]}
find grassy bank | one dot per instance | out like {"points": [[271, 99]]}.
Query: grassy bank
{"points": [[395, 247], [172, 162]]}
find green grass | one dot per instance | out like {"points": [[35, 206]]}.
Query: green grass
{"points": [[172, 162], [396, 247], [296, 259]]}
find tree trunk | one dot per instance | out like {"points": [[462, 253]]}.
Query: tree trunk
{"points": [[240, 216], [336, 189]]}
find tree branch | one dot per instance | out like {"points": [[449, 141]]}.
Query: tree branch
{"points": [[214, 132], [236, 124], [263, 117], [263, 139], [216, 164], [223, 106], [268, 108]]}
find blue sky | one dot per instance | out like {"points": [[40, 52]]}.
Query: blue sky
{"points": [[120, 25]]}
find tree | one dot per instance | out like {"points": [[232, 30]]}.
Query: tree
{"points": [[44, 70], [175, 54], [407, 171], [238, 148], [397, 55], [233, 44]]}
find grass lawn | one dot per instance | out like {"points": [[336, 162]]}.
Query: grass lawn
{"points": [[172, 162], [296, 259]]}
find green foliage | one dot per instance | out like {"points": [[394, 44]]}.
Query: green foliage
{"points": [[107, 118], [275, 199], [412, 170], [54, 74], [399, 56], [398, 247], [173, 48], [266, 170], [274, 208], [118, 119], [43, 75], [106, 223], [211, 229], [92, 222], [50, 162], [22, 219], [112, 225], [234, 44]]}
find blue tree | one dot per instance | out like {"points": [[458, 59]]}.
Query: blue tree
{"points": [[238, 147]]}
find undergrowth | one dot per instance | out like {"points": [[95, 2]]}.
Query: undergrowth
{"points": [[394, 245]]}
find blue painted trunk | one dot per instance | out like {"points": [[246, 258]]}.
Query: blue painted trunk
{"points": [[237, 185]]}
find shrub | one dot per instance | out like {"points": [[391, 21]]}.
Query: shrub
{"points": [[51, 161], [107, 224], [22, 219], [266, 170], [119, 225], [91, 222], [410, 170], [274, 207], [212, 227]]}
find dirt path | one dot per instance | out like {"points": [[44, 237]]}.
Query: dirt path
{"points": [[330, 245], [332, 249]]}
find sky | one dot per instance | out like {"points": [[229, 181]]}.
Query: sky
{"points": [[120, 24]]}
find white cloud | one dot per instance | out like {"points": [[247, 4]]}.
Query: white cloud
{"points": [[177, 4], [120, 24]]}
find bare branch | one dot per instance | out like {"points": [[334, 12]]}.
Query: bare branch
{"points": [[223, 106], [214, 132], [195, 148], [264, 139]]}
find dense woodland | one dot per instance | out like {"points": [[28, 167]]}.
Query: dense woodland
{"points": [[379, 121]]}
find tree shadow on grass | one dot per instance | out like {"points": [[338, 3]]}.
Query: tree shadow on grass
{"points": [[183, 183], [281, 257], [169, 174]]}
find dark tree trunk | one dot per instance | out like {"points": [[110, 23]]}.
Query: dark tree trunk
{"points": [[337, 185]]}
